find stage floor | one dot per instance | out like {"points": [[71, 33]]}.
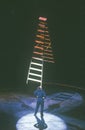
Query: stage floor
{"points": [[63, 111]]}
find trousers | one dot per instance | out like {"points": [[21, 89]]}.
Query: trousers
{"points": [[39, 104]]}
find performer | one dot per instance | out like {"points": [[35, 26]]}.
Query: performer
{"points": [[40, 95]]}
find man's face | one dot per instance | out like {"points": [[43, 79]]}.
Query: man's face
{"points": [[39, 87]]}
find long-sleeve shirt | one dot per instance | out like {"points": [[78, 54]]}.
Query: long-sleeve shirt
{"points": [[40, 94]]}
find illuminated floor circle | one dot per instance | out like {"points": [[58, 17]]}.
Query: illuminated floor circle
{"points": [[28, 121]]}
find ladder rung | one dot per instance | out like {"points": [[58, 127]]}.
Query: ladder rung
{"points": [[35, 69], [34, 80], [37, 58], [48, 54], [35, 74], [47, 57], [38, 53], [49, 61], [40, 42], [48, 50], [34, 63], [48, 47], [41, 48]]}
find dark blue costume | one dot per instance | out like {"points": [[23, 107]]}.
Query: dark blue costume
{"points": [[40, 94]]}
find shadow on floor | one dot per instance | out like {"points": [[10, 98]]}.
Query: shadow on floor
{"points": [[41, 125]]}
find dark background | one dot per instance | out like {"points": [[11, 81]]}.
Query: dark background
{"points": [[18, 23]]}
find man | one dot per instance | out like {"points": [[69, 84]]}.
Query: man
{"points": [[40, 94]]}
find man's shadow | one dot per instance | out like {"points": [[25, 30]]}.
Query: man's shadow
{"points": [[41, 125]]}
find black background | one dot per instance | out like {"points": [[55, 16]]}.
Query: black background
{"points": [[18, 23]]}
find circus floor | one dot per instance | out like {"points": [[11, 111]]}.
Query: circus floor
{"points": [[64, 110]]}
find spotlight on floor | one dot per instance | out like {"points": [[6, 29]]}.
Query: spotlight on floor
{"points": [[30, 122]]}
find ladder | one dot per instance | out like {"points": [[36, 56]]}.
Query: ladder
{"points": [[42, 53]]}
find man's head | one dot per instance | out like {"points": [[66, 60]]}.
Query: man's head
{"points": [[39, 87]]}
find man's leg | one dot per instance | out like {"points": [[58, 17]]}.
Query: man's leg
{"points": [[42, 108], [37, 107]]}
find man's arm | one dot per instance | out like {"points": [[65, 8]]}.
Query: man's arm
{"points": [[35, 93], [44, 95]]}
